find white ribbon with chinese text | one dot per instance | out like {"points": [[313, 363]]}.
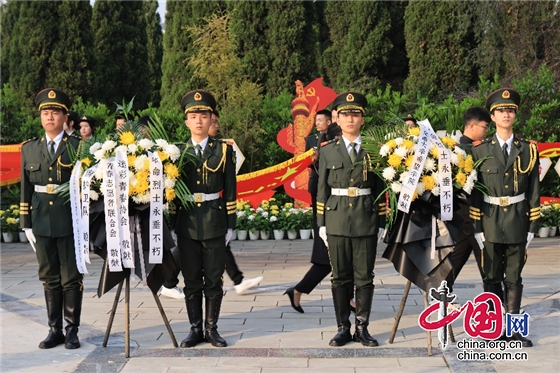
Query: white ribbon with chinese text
{"points": [[156, 209]]}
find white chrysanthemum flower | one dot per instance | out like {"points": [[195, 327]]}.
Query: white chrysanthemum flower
{"points": [[273, 219], [95, 147], [416, 148], [132, 180], [454, 159], [173, 152], [108, 145], [473, 176], [93, 195], [420, 188], [146, 144], [469, 185], [396, 187], [401, 151], [142, 199], [132, 148], [414, 139], [240, 214], [265, 214], [168, 183], [293, 210], [260, 209], [251, 217], [162, 143], [121, 148], [140, 162], [435, 191], [430, 164], [435, 175], [384, 151], [99, 155], [389, 173], [100, 171], [399, 141], [458, 150], [403, 176]]}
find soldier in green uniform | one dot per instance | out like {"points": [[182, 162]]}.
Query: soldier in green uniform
{"points": [[47, 220], [205, 227], [350, 218], [506, 219]]}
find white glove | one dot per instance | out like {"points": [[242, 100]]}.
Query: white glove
{"points": [[30, 237], [530, 237], [381, 234], [229, 234], [479, 237], [323, 235]]}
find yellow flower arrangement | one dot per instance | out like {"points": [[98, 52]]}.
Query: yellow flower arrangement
{"points": [[10, 219]]}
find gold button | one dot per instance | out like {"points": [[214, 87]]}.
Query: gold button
{"points": [[198, 204], [198, 181], [220, 207], [50, 178], [328, 208], [50, 168], [507, 174], [198, 170], [505, 209], [50, 203], [506, 186], [333, 167], [31, 167], [350, 204], [351, 180]]}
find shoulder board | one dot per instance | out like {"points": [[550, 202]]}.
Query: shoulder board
{"points": [[26, 141], [328, 142]]}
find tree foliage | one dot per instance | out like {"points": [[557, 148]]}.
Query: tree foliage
{"points": [[155, 49]]}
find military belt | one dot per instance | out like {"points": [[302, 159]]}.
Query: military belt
{"points": [[504, 201], [202, 197], [49, 188], [350, 192]]}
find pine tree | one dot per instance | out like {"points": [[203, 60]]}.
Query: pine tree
{"points": [[72, 61], [439, 37], [178, 48], [155, 49], [120, 44], [9, 13], [362, 40]]}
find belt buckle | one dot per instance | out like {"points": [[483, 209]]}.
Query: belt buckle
{"points": [[198, 197], [352, 192], [50, 188], [504, 201]]}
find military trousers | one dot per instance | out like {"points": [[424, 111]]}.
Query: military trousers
{"points": [[503, 262], [203, 264], [57, 263], [352, 260]]}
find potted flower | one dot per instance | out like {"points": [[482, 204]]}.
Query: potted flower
{"points": [[305, 218], [289, 220], [547, 220], [262, 222], [10, 222], [242, 221]]}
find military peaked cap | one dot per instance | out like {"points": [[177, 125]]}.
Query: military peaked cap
{"points": [[198, 101], [52, 98], [503, 98], [350, 102]]}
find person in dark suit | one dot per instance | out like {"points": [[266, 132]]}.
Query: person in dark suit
{"points": [[349, 218], [72, 124], [321, 266], [205, 227], [476, 121], [506, 219], [46, 218]]}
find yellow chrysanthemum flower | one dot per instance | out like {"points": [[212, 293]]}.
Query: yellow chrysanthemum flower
{"points": [[274, 212], [408, 161], [146, 164], [409, 144], [239, 205], [461, 162], [1, 212], [434, 152], [11, 221], [16, 212], [428, 181], [162, 155], [141, 176], [170, 194], [449, 142], [391, 144], [171, 171], [131, 190], [414, 131], [13, 207], [142, 186], [289, 205], [86, 161], [461, 178], [131, 160], [469, 164], [126, 138], [394, 160], [414, 196]]}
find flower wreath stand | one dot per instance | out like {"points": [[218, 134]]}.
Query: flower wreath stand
{"points": [[152, 274]]}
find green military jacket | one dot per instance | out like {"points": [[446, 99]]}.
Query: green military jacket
{"points": [[48, 214], [343, 215], [506, 224], [214, 173]]}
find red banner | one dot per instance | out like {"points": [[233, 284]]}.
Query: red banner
{"points": [[10, 164]]}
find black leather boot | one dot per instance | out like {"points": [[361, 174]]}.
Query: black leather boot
{"points": [[495, 289], [341, 300], [194, 311], [53, 300], [211, 335], [513, 304], [364, 297], [72, 313]]}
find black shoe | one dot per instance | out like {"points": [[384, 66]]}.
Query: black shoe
{"points": [[290, 292], [362, 335], [213, 305], [55, 338], [71, 342], [195, 337], [211, 336], [341, 338]]}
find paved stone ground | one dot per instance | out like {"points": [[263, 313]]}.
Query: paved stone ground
{"points": [[263, 332]]}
